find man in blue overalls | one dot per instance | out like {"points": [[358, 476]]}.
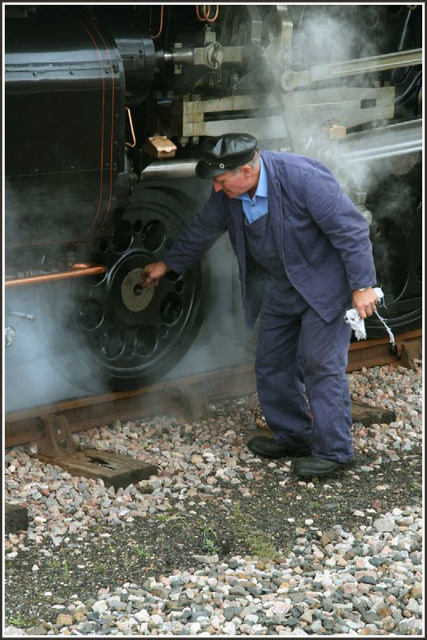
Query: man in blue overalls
{"points": [[304, 258]]}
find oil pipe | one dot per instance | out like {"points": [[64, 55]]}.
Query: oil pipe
{"points": [[76, 271]]}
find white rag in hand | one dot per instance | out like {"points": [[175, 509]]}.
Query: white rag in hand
{"points": [[358, 324]]}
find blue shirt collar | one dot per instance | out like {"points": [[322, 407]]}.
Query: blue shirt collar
{"points": [[262, 188]]}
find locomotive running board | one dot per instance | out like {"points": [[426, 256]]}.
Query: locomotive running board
{"points": [[57, 447]]}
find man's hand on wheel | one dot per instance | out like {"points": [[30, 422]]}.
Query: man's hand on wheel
{"points": [[152, 273]]}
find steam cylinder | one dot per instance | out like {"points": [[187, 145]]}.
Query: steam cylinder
{"points": [[67, 79]]}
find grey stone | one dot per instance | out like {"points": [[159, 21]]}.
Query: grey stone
{"points": [[238, 591], [231, 612], [38, 630]]}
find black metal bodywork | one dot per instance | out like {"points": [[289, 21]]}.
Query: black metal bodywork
{"points": [[66, 88]]}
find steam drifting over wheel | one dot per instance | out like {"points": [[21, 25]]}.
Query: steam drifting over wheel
{"points": [[126, 336], [396, 235]]}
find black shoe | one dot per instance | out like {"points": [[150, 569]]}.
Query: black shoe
{"points": [[313, 466], [269, 448]]}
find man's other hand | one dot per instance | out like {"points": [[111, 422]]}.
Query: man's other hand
{"points": [[365, 302], [151, 274]]}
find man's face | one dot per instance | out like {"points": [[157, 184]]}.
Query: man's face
{"points": [[234, 184]]}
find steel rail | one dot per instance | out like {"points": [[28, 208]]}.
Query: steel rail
{"points": [[185, 397]]}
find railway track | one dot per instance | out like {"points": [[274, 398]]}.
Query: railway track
{"points": [[50, 427], [186, 397]]}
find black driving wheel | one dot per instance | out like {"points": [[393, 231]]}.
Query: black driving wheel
{"points": [[112, 332]]}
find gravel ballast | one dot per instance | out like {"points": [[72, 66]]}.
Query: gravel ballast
{"points": [[222, 542]]}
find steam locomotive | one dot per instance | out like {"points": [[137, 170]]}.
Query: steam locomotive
{"points": [[105, 110]]}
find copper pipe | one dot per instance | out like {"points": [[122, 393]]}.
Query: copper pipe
{"points": [[133, 143], [161, 23], [76, 271]]}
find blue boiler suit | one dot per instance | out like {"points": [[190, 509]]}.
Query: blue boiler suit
{"points": [[298, 266]]}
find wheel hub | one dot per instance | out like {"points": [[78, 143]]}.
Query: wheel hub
{"points": [[134, 296]]}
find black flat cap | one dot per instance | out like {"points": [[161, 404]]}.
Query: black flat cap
{"points": [[224, 153]]}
